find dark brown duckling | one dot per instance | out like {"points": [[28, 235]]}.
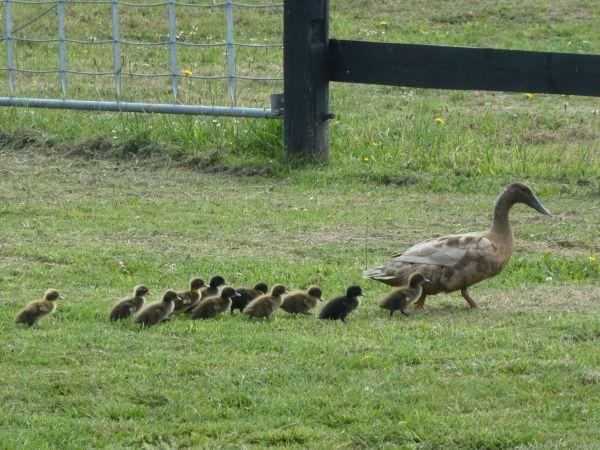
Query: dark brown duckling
{"points": [[35, 311], [159, 311], [456, 262], [189, 299], [340, 307], [129, 305], [265, 305], [213, 306], [247, 295], [213, 287], [399, 299], [301, 302]]}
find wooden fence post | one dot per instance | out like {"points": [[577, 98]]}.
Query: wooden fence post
{"points": [[306, 77]]}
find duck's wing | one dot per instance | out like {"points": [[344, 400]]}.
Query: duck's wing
{"points": [[444, 251]]}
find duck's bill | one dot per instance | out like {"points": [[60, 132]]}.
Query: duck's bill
{"points": [[535, 204]]}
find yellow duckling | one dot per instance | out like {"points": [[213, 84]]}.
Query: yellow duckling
{"points": [[190, 299], [35, 311], [129, 305], [457, 262], [301, 302], [265, 305], [159, 311], [213, 306], [399, 299]]}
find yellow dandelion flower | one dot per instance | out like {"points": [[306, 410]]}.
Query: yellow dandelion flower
{"points": [[186, 73], [384, 23], [375, 144], [592, 258], [366, 357], [440, 121], [528, 95], [366, 158]]}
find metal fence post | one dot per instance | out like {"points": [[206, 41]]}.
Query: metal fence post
{"points": [[306, 77]]}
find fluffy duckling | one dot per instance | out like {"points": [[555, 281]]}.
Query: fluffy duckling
{"points": [[190, 299], [213, 306], [158, 311], [213, 287], [301, 302], [340, 307], [400, 298], [34, 311], [129, 305], [265, 305], [456, 262], [247, 295]]}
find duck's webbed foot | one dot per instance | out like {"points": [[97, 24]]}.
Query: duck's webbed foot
{"points": [[420, 304], [472, 303]]}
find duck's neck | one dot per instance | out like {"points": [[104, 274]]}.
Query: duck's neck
{"points": [[501, 222]]}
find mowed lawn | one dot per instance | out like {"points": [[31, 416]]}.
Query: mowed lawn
{"points": [[524, 370]]}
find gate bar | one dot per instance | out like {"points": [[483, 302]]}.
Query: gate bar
{"points": [[230, 50], [10, 59], [62, 45], [160, 108], [116, 48], [173, 50]]}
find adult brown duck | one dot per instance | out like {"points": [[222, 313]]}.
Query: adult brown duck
{"points": [[456, 262]]}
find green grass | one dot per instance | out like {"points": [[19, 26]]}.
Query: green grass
{"points": [[93, 204]]}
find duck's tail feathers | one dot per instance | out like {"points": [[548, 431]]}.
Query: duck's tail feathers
{"points": [[376, 274]]}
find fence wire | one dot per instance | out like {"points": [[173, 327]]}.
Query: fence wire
{"points": [[118, 42]]}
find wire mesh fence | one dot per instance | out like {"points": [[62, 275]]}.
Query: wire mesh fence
{"points": [[165, 56]]}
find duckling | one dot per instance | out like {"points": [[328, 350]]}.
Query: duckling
{"points": [[213, 287], [247, 295], [129, 305], [191, 298], [340, 307], [400, 298], [456, 262], [265, 305], [35, 311], [301, 302], [213, 306], [159, 311]]}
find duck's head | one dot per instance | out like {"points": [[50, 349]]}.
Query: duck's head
{"points": [[416, 279], [217, 281], [170, 296], [52, 295], [521, 193], [196, 283], [261, 287], [354, 291], [141, 291], [278, 289], [316, 292], [229, 292]]}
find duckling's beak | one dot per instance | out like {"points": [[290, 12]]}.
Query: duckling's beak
{"points": [[61, 297], [235, 295], [179, 298], [535, 204], [427, 280]]}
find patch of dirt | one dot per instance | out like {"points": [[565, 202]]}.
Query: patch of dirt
{"points": [[138, 149], [577, 133]]}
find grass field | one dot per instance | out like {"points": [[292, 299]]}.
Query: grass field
{"points": [[93, 204]]}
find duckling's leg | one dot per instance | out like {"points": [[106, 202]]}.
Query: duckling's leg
{"points": [[403, 312], [391, 312], [420, 304], [472, 303]]}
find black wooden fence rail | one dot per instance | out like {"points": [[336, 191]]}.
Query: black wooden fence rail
{"points": [[312, 60]]}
